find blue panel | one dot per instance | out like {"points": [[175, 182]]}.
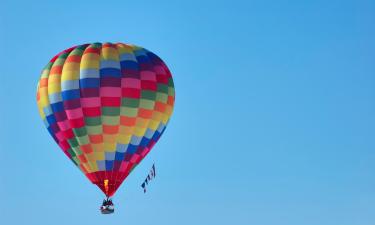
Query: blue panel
{"points": [[127, 64], [52, 134], [144, 142], [143, 59], [110, 156], [108, 165], [51, 119], [121, 147], [101, 165], [47, 110], [92, 73], [110, 72], [70, 84], [152, 56], [57, 107], [70, 94], [132, 149], [156, 135], [135, 140], [56, 97], [89, 82], [157, 138], [140, 52], [120, 156], [109, 64], [149, 133]]}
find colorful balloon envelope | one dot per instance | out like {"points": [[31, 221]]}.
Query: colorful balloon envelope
{"points": [[106, 105]]}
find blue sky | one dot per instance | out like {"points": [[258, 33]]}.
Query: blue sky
{"points": [[273, 123]]}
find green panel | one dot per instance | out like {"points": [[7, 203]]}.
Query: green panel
{"points": [[93, 121], [146, 104], [71, 152], [111, 111], [131, 112], [73, 142], [96, 45], [77, 150], [111, 120], [150, 95], [79, 132], [84, 140], [171, 91], [162, 97], [75, 161], [130, 102], [170, 82], [162, 88], [94, 129]]}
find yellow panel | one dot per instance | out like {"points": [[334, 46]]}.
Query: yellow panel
{"points": [[110, 146], [139, 131], [41, 113], [99, 155], [93, 165], [165, 118], [140, 122], [124, 139], [123, 48], [54, 88], [109, 53], [70, 71], [153, 125], [90, 61]]}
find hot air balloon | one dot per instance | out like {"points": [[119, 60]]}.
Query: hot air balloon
{"points": [[106, 105]]}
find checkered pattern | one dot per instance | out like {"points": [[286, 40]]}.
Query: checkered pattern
{"points": [[106, 105]]}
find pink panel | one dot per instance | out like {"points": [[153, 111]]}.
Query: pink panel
{"points": [[148, 75], [123, 166], [159, 69], [90, 102], [63, 125], [134, 158], [74, 113], [131, 83], [110, 91]]}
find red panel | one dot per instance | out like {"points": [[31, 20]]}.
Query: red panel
{"points": [[149, 85], [111, 101], [77, 123], [131, 92], [92, 50], [68, 134], [86, 148], [162, 78], [64, 145], [73, 58], [91, 111]]}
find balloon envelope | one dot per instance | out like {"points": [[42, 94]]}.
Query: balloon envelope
{"points": [[106, 105]]}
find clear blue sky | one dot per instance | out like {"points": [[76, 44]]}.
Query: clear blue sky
{"points": [[274, 121]]}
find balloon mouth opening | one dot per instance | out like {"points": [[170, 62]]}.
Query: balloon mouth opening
{"points": [[108, 182]]}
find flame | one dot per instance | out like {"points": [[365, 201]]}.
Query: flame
{"points": [[106, 185]]}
